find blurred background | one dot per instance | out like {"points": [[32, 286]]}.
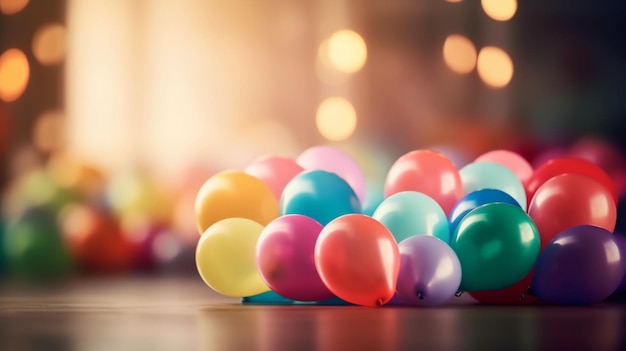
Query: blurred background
{"points": [[114, 112]]}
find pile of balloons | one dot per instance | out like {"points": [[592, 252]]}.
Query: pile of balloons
{"points": [[495, 228]]}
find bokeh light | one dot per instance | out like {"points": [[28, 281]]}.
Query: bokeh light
{"points": [[454, 1], [14, 74], [336, 119], [499, 10], [495, 67], [48, 131], [346, 51], [49, 44], [459, 53], [9, 7]]}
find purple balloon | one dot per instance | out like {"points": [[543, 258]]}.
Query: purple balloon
{"points": [[430, 271], [581, 265], [621, 242], [285, 258]]}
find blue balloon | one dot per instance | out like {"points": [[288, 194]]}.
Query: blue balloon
{"points": [[489, 175], [475, 199], [411, 213], [320, 195]]}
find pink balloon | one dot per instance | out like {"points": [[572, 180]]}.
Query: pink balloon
{"points": [[511, 160], [358, 259], [275, 171], [428, 172], [334, 160], [285, 258]]}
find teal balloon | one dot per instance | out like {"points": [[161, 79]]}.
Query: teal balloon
{"points": [[411, 213], [497, 245], [266, 298], [35, 247], [483, 175], [320, 195]]}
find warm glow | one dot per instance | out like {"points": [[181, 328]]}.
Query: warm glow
{"points": [[499, 10], [9, 7], [14, 72], [459, 54], [49, 44], [346, 51], [495, 67], [454, 1], [336, 119], [48, 131]]}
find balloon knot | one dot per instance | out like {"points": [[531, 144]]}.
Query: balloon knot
{"points": [[380, 302], [458, 293], [420, 296]]}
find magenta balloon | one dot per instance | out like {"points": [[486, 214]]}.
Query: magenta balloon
{"points": [[430, 271], [334, 160], [511, 160], [274, 171], [581, 265], [285, 258]]}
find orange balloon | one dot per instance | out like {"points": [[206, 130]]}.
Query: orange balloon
{"points": [[234, 194], [428, 172], [358, 260], [570, 200]]}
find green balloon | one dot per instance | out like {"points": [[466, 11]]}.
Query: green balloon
{"points": [[2, 251], [497, 245], [35, 247]]}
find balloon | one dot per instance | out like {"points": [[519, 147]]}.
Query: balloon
{"points": [[497, 245], [96, 240], [489, 175], [234, 194], [430, 272], [511, 160], [428, 172], [358, 260], [620, 239], [35, 248], [320, 195], [569, 200], [564, 165], [225, 257], [2, 249], [581, 265], [285, 258], [330, 159], [475, 199], [411, 213], [275, 171], [266, 298], [516, 294], [136, 193]]}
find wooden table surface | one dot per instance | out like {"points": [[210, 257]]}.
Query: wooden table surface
{"points": [[150, 313]]}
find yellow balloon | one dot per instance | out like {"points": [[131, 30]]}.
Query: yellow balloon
{"points": [[234, 194], [225, 257]]}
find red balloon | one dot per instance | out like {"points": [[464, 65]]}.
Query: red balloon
{"points": [[569, 200], [564, 165], [96, 240], [516, 294], [358, 260], [428, 172]]}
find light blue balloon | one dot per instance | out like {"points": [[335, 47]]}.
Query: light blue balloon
{"points": [[411, 213], [489, 175], [320, 195]]}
